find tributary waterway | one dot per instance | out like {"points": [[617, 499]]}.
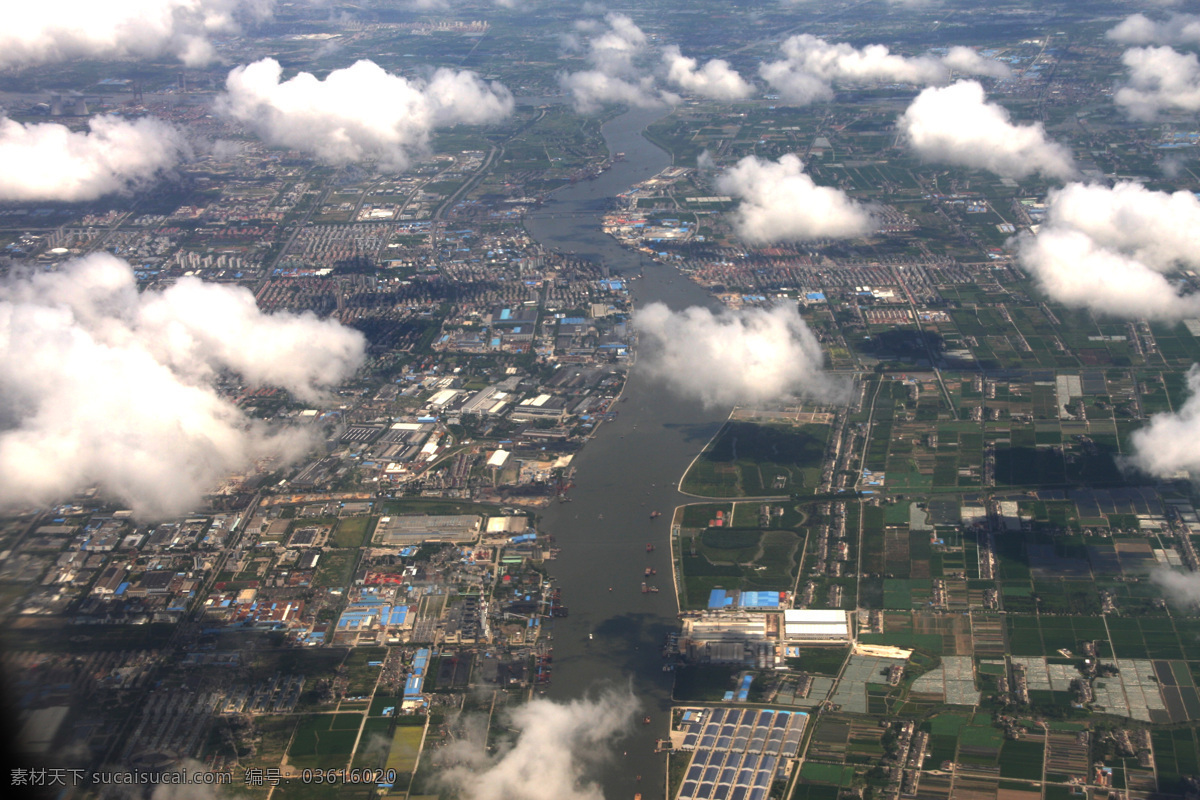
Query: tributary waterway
{"points": [[631, 468]]}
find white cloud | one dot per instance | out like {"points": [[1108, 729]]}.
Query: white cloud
{"points": [[811, 67], [1160, 79], [966, 60], [103, 386], [611, 50], [56, 30], [614, 49], [49, 161], [1168, 443], [1109, 249], [1073, 269], [1158, 228], [751, 357], [592, 89], [904, 3], [716, 79], [358, 113], [781, 203], [1180, 588], [955, 125], [1140, 30], [554, 745]]}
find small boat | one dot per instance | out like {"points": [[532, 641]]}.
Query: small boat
{"points": [[645, 588], [649, 548], [653, 590], [646, 720], [650, 571], [591, 636], [655, 514]]}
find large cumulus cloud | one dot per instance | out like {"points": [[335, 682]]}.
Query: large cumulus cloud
{"points": [[749, 357], [811, 67], [956, 125], [1160, 228], [358, 113], [1111, 249], [49, 161], [442, 5], [781, 203], [969, 62], [1168, 443], [1160, 79], [615, 44], [1141, 30], [1180, 588], [591, 89], [612, 49], [104, 386], [1073, 269], [901, 3], [56, 30], [715, 80], [617, 53], [554, 745]]}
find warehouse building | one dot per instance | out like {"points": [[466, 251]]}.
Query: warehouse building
{"points": [[544, 406], [409, 530], [745, 639], [816, 626], [733, 599]]}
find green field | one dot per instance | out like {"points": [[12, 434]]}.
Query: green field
{"points": [[750, 460], [837, 774], [406, 748], [351, 532], [324, 740], [745, 559]]}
